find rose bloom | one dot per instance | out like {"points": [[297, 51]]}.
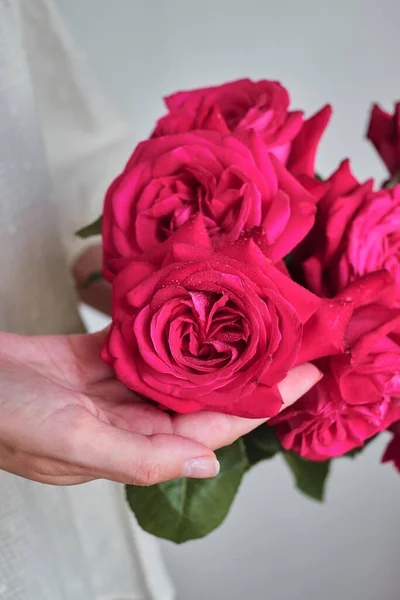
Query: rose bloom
{"points": [[238, 106], [392, 452], [359, 395], [235, 184], [356, 232], [206, 329], [384, 133], [260, 106]]}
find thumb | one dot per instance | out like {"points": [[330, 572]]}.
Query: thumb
{"points": [[297, 382], [131, 458]]}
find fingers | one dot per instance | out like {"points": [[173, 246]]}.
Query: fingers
{"points": [[119, 455], [216, 430], [138, 416], [49, 479], [98, 294], [40, 468], [298, 381]]}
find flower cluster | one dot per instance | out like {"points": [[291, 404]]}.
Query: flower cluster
{"points": [[231, 262]]}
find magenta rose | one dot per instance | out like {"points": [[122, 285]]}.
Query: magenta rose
{"points": [[359, 395], [392, 452], [384, 133], [235, 184], [238, 106], [262, 107], [356, 232], [206, 329]]}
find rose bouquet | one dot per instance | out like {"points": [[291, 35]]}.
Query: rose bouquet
{"points": [[231, 262]]}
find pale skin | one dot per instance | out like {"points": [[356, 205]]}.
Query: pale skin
{"points": [[65, 419]]}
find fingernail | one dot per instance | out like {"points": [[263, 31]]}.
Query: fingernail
{"points": [[201, 468]]}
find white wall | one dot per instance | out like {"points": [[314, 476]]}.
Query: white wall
{"points": [[275, 545]]}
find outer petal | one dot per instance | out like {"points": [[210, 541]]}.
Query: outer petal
{"points": [[325, 333], [304, 147], [384, 133]]}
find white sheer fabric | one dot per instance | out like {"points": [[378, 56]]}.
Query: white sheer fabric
{"points": [[60, 144]]}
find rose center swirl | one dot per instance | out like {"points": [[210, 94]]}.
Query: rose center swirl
{"points": [[188, 192], [209, 333]]}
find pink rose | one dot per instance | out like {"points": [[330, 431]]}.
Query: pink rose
{"points": [[392, 452], [262, 107], [206, 329], [234, 183], [356, 232], [238, 106], [384, 133], [359, 395]]}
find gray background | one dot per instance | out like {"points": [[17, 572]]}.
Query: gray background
{"points": [[275, 544]]}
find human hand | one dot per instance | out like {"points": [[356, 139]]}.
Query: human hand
{"points": [[65, 419]]}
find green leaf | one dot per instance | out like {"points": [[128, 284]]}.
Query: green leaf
{"points": [[261, 443], [92, 278], [318, 176], [187, 509], [90, 230], [310, 477]]}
